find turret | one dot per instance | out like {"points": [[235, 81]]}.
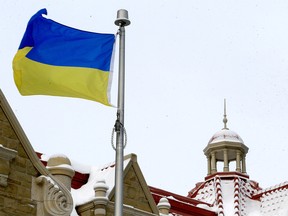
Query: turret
{"points": [[226, 146]]}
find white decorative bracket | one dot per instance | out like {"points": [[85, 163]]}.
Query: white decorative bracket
{"points": [[54, 199], [6, 156]]}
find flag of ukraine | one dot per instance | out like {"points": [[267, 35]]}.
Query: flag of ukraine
{"points": [[57, 60]]}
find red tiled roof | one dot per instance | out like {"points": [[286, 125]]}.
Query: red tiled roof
{"points": [[181, 205]]}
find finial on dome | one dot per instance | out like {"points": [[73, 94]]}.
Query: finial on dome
{"points": [[225, 120]]}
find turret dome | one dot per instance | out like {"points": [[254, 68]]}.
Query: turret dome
{"points": [[225, 135]]}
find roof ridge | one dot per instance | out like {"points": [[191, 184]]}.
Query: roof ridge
{"points": [[271, 189]]}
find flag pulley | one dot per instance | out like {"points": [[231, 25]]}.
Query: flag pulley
{"points": [[116, 129], [122, 20]]}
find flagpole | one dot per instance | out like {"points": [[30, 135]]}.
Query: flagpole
{"points": [[121, 21]]}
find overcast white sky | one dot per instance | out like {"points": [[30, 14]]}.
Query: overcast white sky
{"points": [[182, 59]]}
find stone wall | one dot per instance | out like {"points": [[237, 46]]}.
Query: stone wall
{"points": [[133, 192], [16, 171]]}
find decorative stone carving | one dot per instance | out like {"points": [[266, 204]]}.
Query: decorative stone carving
{"points": [[60, 167], [164, 206], [6, 155], [100, 201], [53, 199]]}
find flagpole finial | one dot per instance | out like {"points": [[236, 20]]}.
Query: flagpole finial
{"points": [[225, 120], [122, 18]]}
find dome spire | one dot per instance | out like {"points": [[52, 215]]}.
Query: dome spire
{"points": [[225, 120]]}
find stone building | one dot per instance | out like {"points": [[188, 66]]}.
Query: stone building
{"points": [[31, 184], [27, 188]]}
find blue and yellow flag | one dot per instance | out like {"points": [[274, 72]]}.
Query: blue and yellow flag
{"points": [[57, 60]]}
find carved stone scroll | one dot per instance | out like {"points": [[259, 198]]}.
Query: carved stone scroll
{"points": [[53, 199]]}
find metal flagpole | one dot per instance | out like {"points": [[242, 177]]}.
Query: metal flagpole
{"points": [[121, 21]]}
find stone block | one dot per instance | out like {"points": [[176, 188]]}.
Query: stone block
{"points": [[30, 169], [4, 166], [12, 144], [16, 175], [24, 192], [21, 152], [1, 202], [20, 162], [12, 190], [8, 132], [3, 117]]}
